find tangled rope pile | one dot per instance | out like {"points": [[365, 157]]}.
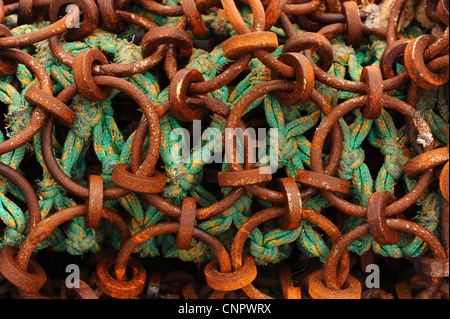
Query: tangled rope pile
{"points": [[354, 167]]}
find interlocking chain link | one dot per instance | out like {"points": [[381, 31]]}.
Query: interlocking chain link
{"points": [[98, 96]]}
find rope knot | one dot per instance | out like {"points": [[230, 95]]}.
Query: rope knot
{"points": [[180, 181], [351, 159], [12, 237], [287, 147], [108, 163], [49, 188], [395, 156], [89, 116], [18, 118], [267, 253]]}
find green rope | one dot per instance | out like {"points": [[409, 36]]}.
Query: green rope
{"points": [[96, 129]]}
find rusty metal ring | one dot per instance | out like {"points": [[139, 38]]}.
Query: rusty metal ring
{"points": [[353, 37], [120, 289], [439, 63], [425, 161], [179, 105], [317, 288], [25, 12], [189, 291], [31, 63], [442, 11], [82, 75], [50, 104], [246, 177], [432, 267], [26, 39], [298, 8], [287, 26], [170, 62], [175, 10], [122, 4], [376, 218], [323, 182], [167, 35], [2, 10], [390, 54], [90, 17], [249, 42], [304, 79], [340, 246], [374, 79], [392, 27], [319, 100], [38, 116], [95, 201], [237, 113], [332, 6], [437, 30], [47, 226], [376, 293], [438, 47], [7, 8], [167, 208], [333, 31], [31, 199], [60, 176], [443, 181], [161, 9], [28, 281], [123, 177], [315, 42], [171, 227], [289, 290], [222, 79], [109, 18], [187, 223], [7, 66], [230, 281], [146, 167], [115, 69], [80, 291], [275, 212], [445, 227], [292, 202], [238, 23], [333, 117], [273, 12], [328, 18], [430, 10], [194, 18], [415, 64], [305, 22]]}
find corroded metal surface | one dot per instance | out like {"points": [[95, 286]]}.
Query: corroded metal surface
{"points": [[293, 74]]}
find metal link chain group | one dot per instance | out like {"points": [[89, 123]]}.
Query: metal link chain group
{"points": [[89, 164]]}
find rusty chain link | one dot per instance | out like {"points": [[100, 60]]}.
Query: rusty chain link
{"points": [[94, 93]]}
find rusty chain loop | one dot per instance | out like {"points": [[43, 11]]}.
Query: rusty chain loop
{"points": [[96, 94]]}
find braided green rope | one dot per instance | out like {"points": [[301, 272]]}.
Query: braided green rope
{"points": [[11, 215], [96, 128]]}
